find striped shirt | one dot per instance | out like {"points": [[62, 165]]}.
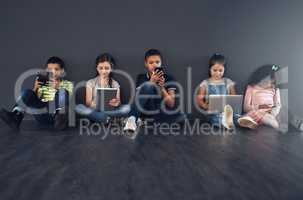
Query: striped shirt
{"points": [[47, 93]]}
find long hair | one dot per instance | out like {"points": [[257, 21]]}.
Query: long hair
{"points": [[106, 57], [265, 71]]}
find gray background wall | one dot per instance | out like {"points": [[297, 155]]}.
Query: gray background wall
{"points": [[249, 33]]}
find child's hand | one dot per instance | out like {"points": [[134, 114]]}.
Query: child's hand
{"points": [[37, 84], [93, 104], [205, 106], [161, 82], [264, 106], [156, 76], [53, 83], [114, 102]]}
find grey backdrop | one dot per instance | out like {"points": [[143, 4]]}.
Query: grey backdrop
{"points": [[249, 33]]}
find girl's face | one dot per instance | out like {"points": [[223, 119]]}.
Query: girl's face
{"points": [[152, 62], [217, 71], [56, 70], [104, 69]]}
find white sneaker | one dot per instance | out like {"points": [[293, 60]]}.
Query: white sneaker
{"points": [[247, 122], [227, 118], [131, 127]]}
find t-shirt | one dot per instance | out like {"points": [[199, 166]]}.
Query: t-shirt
{"points": [[95, 84], [256, 96], [225, 81], [47, 93]]}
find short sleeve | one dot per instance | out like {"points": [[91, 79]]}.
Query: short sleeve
{"points": [[170, 83], [203, 84], [69, 86], [115, 84], [90, 83], [141, 78], [229, 83]]}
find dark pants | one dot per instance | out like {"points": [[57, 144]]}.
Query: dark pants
{"points": [[148, 107], [44, 112]]}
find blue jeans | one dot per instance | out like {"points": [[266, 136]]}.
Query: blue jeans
{"points": [[216, 119], [99, 116], [152, 104], [29, 101]]}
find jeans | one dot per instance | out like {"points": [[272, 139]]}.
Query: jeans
{"points": [[102, 116], [44, 112], [216, 119]]}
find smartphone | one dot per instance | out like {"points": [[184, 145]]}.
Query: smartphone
{"points": [[44, 77], [158, 69]]}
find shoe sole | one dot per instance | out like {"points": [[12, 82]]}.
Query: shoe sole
{"points": [[247, 123]]}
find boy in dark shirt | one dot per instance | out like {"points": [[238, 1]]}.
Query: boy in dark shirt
{"points": [[156, 93]]}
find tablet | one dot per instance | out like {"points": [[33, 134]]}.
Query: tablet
{"points": [[218, 102], [104, 95]]}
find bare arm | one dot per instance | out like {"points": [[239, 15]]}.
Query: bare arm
{"points": [[89, 96], [232, 90], [277, 107], [169, 97], [248, 100], [201, 98]]}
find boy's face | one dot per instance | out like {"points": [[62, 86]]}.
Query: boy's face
{"points": [[217, 71], [56, 70], [152, 62], [104, 69]]}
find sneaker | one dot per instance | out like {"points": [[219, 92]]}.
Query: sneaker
{"points": [[12, 119], [247, 122], [131, 127], [61, 121], [227, 118]]}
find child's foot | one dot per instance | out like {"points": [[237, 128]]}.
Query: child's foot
{"points": [[247, 122], [227, 118], [12, 119], [131, 127]]}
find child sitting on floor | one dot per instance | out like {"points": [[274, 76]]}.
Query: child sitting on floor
{"points": [[262, 101]]}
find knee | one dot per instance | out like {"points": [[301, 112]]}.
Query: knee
{"points": [[147, 88], [27, 92], [62, 92], [83, 110], [125, 109], [26, 95]]}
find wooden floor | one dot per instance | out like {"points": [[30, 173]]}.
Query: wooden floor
{"points": [[41, 164]]}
